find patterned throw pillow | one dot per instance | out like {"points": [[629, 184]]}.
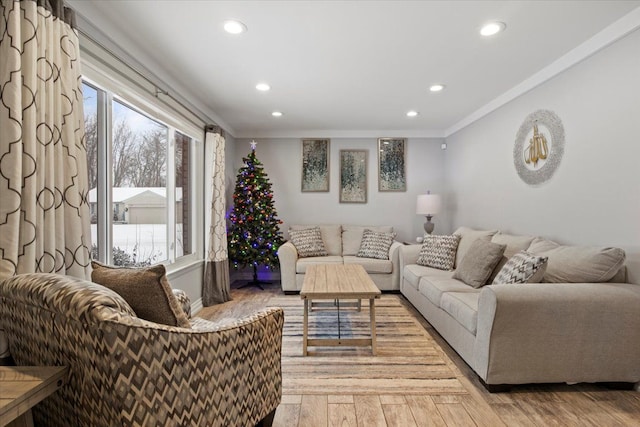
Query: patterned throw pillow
{"points": [[375, 244], [308, 242], [439, 251], [523, 267], [147, 291]]}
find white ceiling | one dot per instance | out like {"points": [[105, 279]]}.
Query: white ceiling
{"points": [[350, 67]]}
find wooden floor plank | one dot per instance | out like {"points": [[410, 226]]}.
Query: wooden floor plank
{"points": [[340, 398], [398, 415], [424, 411], [369, 411], [287, 415], [342, 415], [387, 399], [313, 411], [454, 414]]}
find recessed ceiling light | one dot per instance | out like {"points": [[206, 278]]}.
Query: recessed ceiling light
{"points": [[234, 27], [412, 113], [492, 28], [436, 88], [263, 87], [277, 114]]}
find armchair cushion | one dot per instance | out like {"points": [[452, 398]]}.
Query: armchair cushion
{"points": [[375, 245], [147, 291]]}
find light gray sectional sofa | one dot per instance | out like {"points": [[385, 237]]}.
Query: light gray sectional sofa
{"points": [[588, 331], [341, 243]]}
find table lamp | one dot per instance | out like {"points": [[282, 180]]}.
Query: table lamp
{"points": [[428, 205]]}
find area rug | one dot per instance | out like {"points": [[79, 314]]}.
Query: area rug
{"points": [[408, 360]]}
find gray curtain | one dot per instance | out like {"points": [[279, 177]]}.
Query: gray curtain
{"points": [[44, 214], [216, 273]]}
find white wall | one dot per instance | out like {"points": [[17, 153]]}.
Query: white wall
{"points": [[282, 160], [594, 196]]}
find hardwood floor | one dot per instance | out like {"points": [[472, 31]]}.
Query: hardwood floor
{"points": [[532, 405]]}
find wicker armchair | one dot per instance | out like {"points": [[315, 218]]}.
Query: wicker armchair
{"points": [[125, 371]]}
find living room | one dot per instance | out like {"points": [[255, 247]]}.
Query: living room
{"points": [[460, 145]]}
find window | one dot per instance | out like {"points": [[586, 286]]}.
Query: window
{"points": [[140, 183]]}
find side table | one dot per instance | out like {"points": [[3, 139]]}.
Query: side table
{"points": [[22, 387]]}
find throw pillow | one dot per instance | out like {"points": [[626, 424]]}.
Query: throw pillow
{"points": [[308, 242], [147, 291], [578, 264], [523, 267], [375, 244], [478, 263], [438, 251]]}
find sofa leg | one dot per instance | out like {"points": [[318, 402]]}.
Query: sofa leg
{"points": [[495, 388], [268, 420]]}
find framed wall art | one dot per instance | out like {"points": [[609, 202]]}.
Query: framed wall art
{"points": [[353, 176], [539, 147], [315, 165], [391, 164]]}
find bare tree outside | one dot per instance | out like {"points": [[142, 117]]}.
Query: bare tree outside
{"points": [[123, 147]]}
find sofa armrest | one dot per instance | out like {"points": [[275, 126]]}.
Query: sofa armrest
{"points": [[184, 300], [394, 256], [235, 364], [409, 255], [558, 332], [288, 257]]}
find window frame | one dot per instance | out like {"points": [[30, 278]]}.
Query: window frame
{"points": [[110, 88]]}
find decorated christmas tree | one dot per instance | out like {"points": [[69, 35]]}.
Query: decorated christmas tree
{"points": [[254, 233]]}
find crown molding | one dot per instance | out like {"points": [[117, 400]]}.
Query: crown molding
{"points": [[614, 32], [324, 133]]}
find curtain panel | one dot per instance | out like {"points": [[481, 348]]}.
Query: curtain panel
{"points": [[215, 287], [44, 213]]}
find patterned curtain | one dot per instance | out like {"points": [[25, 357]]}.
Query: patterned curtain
{"points": [[44, 214], [215, 287]]}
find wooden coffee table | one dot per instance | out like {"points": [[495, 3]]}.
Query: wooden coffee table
{"points": [[336, 282], [22, 387]]}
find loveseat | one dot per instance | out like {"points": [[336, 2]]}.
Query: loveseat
{"points": [[585, 327], [127, 371], [342, 244]]}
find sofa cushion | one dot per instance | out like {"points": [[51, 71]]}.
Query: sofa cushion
{"points": [[147, 291], [462, 306], [438, 251], [303, 263], [331, 236], [308, 242], [434, 287], [375, 244], [371, 265], [478, 263], [467, 237], [578, 264], [413, 273], [352, 236], [523, 267], [514, 242]]}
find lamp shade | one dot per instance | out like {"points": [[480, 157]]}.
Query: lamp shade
{"points": [[428, 204]]}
